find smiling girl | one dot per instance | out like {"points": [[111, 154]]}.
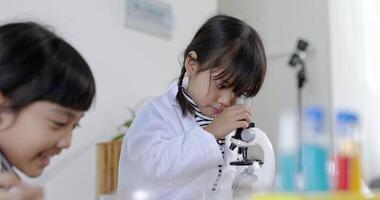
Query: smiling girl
{"points": [[45, 88]]}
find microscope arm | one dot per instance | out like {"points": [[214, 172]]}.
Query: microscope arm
{"points": [[266, 173]]}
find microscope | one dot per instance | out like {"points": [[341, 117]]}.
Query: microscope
{"points": [[252, 136], [243, 139]]}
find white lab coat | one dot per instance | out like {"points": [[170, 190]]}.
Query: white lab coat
{"points": [[169, 156]]}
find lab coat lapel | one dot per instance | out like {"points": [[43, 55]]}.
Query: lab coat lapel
{"points": [[187, 121]]}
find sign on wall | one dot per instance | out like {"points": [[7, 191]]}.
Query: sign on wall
{"points": [[150, 16]]}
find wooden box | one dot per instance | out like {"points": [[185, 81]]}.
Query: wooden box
{"points": [[108, 155]]}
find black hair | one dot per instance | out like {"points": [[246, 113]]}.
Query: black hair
{"points": [[37, 65], [227, 43]]}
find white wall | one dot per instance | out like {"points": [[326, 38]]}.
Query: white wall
{"points": [[128, 66], [280, 24]]}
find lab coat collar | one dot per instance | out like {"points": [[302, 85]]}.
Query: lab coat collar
{"points": [[187, 121]]}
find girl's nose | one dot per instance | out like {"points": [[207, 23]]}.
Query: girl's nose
{"points": [[65, 141], [226, 98]]}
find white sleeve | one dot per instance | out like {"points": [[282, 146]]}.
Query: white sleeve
{"points": [[164, 155]]}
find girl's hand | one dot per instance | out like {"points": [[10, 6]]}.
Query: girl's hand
{"points": [[233, 117], [13, 189]]}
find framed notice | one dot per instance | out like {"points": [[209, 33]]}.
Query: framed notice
{"points": [[154, 17]]}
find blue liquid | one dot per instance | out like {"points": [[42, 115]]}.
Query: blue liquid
{"points": [[288, 170], [314, 164]]}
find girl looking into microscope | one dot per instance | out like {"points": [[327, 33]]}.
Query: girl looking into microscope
{"points": [[176, 147]]}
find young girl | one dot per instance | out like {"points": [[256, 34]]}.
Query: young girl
{"points": [[45, 88], [175, 148]]}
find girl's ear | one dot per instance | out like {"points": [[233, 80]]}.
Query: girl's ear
{"points": [[191, 63], [6, 118], [2, 99]]}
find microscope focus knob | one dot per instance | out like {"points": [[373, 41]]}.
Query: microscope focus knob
{"points": [[248, 135]]}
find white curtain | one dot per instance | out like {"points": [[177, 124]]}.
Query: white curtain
{"points": [[355, 51]]}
